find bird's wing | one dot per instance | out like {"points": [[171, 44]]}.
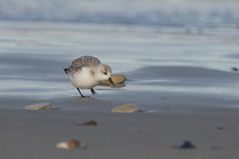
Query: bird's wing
{"points": [[84, 61]]}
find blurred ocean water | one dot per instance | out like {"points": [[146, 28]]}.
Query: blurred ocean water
{"points": [[205, 13]]}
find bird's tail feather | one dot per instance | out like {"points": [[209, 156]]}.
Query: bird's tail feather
{"points": [[66, 70]]}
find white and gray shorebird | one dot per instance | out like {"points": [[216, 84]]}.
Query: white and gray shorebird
{"points": [[86, 72]]}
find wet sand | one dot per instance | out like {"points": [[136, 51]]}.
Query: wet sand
{"points": [[34, 134], [154, 88]]}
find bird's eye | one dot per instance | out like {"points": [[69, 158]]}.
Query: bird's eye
{"points": [[105, 73]]}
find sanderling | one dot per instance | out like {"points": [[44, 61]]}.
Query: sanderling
{"points": [[86, 72]]}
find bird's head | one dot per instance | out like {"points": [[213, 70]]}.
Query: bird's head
{"points": [[104, 72]]}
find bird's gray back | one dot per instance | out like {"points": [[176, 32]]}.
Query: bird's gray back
{"points": [[83, 61]]}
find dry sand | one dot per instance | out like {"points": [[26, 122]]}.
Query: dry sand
{"points": [[34, 134]]}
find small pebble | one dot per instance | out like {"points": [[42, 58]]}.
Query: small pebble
{"points": [[39, 106], [220, 128], [126, 108], [89, 123], [71, 144], [186, 145]]}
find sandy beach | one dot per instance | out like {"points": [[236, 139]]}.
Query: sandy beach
{"points": [[183, 83], [34, 134]]}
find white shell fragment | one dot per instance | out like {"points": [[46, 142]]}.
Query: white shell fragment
{"points": [[71, 144], [62, 145], [126, 108], [39, 106]]}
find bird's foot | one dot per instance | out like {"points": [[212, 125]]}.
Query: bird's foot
{"points": [[82, 96], [93, 91]]}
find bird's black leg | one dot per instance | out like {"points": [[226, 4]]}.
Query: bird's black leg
{"points": [[93, 91], [80, 92]]}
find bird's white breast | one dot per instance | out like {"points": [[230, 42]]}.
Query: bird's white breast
{"points": [[83, 79]]}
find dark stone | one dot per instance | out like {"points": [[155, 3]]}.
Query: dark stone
{"points": [[235, 69], [220, 128], [89, 123], [186, 145]]}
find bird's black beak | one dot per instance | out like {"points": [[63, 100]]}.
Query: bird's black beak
{"points": [[111, 81]]}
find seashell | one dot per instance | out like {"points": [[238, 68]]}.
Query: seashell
{"points": [[71, 144], [118, 80], [126, 108], [39, 106]]}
